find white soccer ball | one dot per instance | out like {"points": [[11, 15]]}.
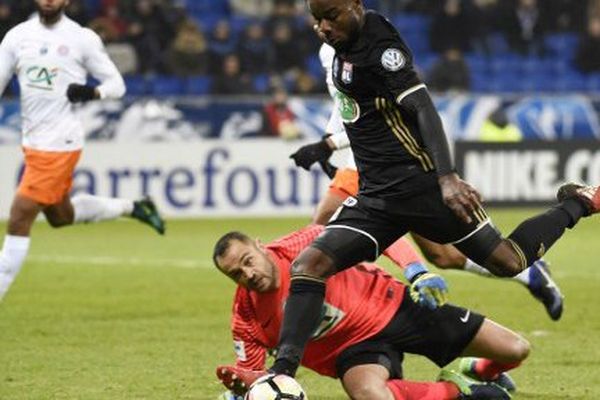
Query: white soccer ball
{"points": [[276, 387]]}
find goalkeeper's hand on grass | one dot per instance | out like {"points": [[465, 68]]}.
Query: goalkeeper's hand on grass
{"points": [[426, 289]]}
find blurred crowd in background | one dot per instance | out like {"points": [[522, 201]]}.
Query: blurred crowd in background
{"points": [[239, 47]]}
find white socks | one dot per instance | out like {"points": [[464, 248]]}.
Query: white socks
{"points": [[90, 208], [12, 257], [471, 266]]}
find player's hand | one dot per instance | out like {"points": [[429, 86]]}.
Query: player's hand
{"points": [[80, 93], [237, 379], [461, 197], [329, 169], [429, 290], [307, 155]]}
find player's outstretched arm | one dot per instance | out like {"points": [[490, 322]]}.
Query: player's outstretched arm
{"points": [[461, 197]]}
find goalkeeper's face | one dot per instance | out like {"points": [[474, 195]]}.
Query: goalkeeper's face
{"points": [[247, 264]]}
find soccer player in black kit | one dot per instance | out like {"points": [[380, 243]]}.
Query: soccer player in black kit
{"points": [[407, 176]]}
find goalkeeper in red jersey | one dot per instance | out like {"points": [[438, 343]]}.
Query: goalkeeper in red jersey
{"points": [[369, 320]]}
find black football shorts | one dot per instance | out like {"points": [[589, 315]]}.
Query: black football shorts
{"points": [[441, 335], [363, 227]]}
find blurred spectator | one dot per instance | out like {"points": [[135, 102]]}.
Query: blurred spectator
{"points": [[280, 121], [308, 40], [222, 43], [110, 25], [497, 128], [7, 19], [483, 13], [252, 8], [22, 10], [450, 72], [287, 56], [306, 84], [150, 33], [188, 54], [566, 15], [525, 26], [255, 49], [451, 28], [587, 58], [231, 80], [77, 12]]}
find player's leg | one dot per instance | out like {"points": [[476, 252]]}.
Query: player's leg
{"points": [[34, 191], [533, 237], [497, 350], [61, 210], [373, 370], [89, 208], [368, 381], [536, 278], [354, 234], [16, 242]]}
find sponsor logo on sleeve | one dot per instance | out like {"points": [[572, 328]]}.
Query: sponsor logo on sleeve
{"points": [[393, 60]]}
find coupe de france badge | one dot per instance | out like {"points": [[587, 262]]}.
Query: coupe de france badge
{"points": [[393, 60], [347, 72]]}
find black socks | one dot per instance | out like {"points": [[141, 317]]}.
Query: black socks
{"points": [[301, 318]]}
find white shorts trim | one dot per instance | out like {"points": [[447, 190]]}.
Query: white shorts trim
{"points": [[350, 228], [413, 89], [480, 227]]}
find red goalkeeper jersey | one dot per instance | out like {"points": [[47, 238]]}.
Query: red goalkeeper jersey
{"points": [[359, 302]]}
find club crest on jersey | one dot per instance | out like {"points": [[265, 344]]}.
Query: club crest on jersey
{"points": [[347, 72], [393, 60], [63, 50]]}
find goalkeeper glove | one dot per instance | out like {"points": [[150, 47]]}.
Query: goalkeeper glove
{"points": [[80, 93], [307, 155], [426, 289]]}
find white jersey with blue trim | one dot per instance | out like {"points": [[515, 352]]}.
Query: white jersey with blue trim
{"points": [[46, 60]]}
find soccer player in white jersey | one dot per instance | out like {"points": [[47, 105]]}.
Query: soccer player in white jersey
{"points": [[51, 55], [345, 183]]}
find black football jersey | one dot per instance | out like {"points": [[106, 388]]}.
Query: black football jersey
{"points": [[372, 76]]}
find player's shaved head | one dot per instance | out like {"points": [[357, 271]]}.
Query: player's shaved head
{"points": [[51, 10], [337, 21], [224, 243], [245, 262]]}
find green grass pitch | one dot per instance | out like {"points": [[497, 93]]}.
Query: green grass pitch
{"points": [[114, 311]]}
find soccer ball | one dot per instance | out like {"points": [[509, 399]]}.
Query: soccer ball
{"points": [[276, 387]]}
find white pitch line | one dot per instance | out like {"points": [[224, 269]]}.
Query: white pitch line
{"points": [[112, 261]]}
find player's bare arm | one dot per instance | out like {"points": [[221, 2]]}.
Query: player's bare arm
{"points": [[461, 197]]}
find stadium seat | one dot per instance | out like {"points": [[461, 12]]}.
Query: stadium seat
{"points": [[411, 23], [480, 83], [136, 85], [561, 44], [198, 85], [261, 83], [167, 85], [314, 67]]}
